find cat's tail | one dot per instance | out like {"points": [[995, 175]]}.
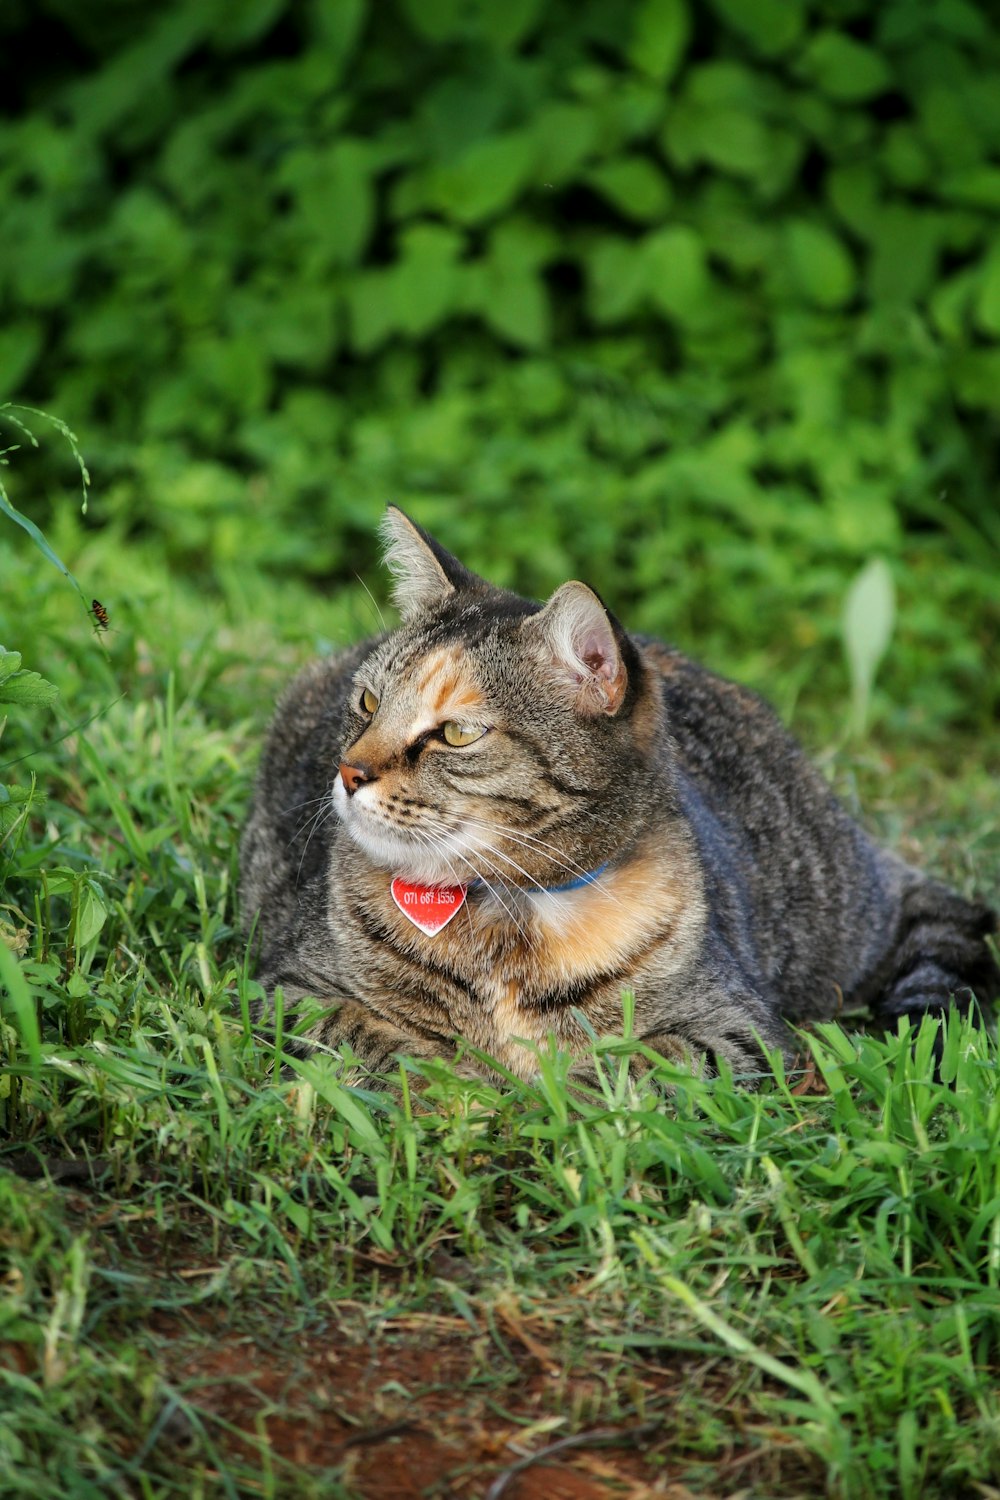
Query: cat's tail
{"points": [[941, 956]]}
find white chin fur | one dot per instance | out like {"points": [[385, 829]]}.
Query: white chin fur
{"points": [[400, 855]]}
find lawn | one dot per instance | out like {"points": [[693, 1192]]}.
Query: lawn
{"points": [[222, 1279]]}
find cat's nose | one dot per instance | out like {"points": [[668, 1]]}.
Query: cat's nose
{"points": [[354, 776]]}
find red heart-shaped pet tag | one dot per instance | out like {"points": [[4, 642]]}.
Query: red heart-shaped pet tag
{"points": [[429, 907]]}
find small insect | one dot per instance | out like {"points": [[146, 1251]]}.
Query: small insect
{"points": [[101, 617]]}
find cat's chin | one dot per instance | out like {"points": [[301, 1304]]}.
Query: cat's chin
{"points": [[398, 854]]}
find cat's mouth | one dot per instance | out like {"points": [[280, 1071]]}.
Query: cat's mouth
{"points": [[414, 854]]}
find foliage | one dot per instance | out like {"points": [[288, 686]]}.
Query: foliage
{"points": [[13, 414], [700, 302], [869, 613]]}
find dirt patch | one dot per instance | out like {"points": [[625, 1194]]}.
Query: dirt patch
{"points": [[433, 1408], [426, 1410], [481, 1394]]}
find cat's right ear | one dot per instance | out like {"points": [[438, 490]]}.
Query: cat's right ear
{"points": [[424, 574], [580, 647]]}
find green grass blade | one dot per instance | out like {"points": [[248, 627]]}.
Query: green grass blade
{"points": [[21, 1005]]}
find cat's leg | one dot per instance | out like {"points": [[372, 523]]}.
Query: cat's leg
{"points": [[377, 1043], [742, 1051], [349, 1024], [725, 1021], [940, 955]]}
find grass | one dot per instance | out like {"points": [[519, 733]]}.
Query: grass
{"points": [[218, 1280]]}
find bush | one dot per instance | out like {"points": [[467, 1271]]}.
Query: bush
{"points": [[702, 302]]}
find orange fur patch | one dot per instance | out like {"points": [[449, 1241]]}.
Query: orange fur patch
{"points": [[608, 921], [447, 687], [596, 931]]}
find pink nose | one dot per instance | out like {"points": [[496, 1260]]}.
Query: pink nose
{"points": [[354, 776]]}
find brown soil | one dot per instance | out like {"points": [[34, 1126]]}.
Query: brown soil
{"points": [[423, 1409], [497, 1403], [431, 1408]]}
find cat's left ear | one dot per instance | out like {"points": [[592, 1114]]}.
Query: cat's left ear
{"points": [[578, 640], [424, 573]]}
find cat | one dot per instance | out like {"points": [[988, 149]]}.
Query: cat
{"points": [[492, 821]]}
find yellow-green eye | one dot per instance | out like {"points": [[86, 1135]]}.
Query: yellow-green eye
{"points": [[462, 734], [369, 702]]}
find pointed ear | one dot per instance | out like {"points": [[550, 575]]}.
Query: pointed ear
{"points": [[424, 573], [579, 644]]}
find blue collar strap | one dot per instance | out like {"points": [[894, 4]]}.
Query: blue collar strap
{"points": [[578, 884], [555, 890]]}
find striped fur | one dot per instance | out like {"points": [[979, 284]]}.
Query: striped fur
{"points": [[738, 894]]}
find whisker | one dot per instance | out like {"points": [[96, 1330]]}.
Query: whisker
{"points": [[478, 848], [480, 844], [511, 913], [570, 866], [529, 841], [437, 844], [319, 820], [303, 824], [306, 802], [375, 606], [542, 890], [305, 819], [433, 844]]}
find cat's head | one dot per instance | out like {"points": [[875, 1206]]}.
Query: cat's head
{"points": [[493, 737]]}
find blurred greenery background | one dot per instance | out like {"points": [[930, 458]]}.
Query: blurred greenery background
{"points": [[696, 299]]}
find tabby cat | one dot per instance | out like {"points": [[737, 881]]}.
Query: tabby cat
{"points": [[493, 820]]}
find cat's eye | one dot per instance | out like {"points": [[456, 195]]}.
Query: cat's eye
{"points": [[369, 702], [462, 734]]}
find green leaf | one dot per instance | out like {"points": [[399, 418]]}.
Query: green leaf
{"points": [[425, 280], [565, 135], [951, 303], [37, 537], [92, 913], [904, 157], [334, 198], [660, 32], [730, 138], [371, 308], [772, 26], [729, 85], [349, 1103], [866, 628], [517, 307], [437, 20], [17, 1001], [21, 342], [820, 265], [298, 328], [988, 300], [27, 687], [905, 249], [485, 178], [508, 24], [10, 662], [977, 186], [337, 25], [976, 374], [854, 193], [240, 25], [677, 279], [844, 68], [616, 279], [14, 800], [634, 186]]}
